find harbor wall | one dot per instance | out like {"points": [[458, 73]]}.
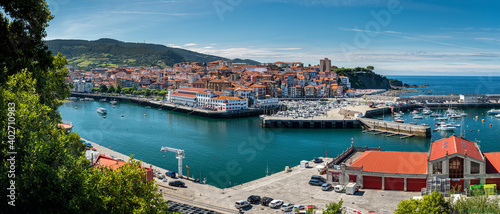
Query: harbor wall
{"points": [[310, 123], [417, 130], [178, 108]]}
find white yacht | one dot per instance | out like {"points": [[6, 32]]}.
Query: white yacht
{"points": [[418, 116], [102, 110], [494, 111], [445, 127]]}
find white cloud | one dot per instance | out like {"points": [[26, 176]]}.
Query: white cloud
{"points": [[190, 44]]}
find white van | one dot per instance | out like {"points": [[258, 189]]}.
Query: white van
{"points": [[276, 203], [241, 204]]}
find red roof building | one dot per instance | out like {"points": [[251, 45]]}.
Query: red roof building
{"points": [[106, 161]]}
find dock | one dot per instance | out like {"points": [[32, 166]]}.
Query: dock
{"points": [[393, 128]]}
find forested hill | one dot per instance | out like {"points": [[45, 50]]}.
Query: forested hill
{"points": [[365, 78], [86, 55]]}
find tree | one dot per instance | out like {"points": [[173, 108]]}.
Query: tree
{"points": [[118, 89], [433, 203], [476, 204], [370, 68], [147, 92], [103, 88], [334, 208], [111, 89]]}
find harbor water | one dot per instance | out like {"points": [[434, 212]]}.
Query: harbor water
{"points": [[228, 152]]}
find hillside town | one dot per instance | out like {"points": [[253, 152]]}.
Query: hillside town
{"points": [[205, 84]]}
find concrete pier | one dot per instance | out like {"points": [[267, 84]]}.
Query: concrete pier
{"points": [[320, 123], [390, 127]]}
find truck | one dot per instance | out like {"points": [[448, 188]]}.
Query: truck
{"points": [[351, 188]]}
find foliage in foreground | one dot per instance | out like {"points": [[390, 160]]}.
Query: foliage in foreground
{"points": [[49, 172], [334, 208]]}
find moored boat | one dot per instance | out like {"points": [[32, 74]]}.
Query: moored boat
{"points": [[102, 110], [494, 111]]}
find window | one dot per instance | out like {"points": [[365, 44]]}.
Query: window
{"points": [[456, 169], [437, 168], [474, 168]]}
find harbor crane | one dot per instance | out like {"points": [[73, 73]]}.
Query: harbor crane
{"points": [[180, 156]]}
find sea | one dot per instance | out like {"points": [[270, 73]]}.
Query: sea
{"points": [[229, 152]]}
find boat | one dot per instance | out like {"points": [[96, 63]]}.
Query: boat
{"points": [[113, 102], [426, 112], [413, 123], [441, 118], [455, 116], [435, 115], [424, 124], [445, 127], [418, 116], [497, 116], [399, 120], [494, 111], [397, 115], [103, 100], [414, 112], [102, 110]]}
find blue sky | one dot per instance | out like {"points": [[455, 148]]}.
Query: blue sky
{"points": [[398, 37]]}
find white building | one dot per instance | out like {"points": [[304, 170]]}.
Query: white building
{"points": [[269, 102], [345, 81], [225, 103], [82, 86]]}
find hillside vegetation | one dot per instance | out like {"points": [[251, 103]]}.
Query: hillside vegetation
{"points": [[365, 78], [86, 55]]}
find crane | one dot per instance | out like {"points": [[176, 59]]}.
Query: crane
{"points": [[180, 156]]}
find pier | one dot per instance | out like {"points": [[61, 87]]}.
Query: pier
{"points": [[320, 122], [393, 128], [251, 112]]}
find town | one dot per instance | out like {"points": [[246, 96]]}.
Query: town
{"points": [[222, 85]]}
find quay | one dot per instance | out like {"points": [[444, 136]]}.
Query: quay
{"points": [[251, 112], [288, 186]]}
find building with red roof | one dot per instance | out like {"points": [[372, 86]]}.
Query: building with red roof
{"points": [[454, 161], [114, 164]]}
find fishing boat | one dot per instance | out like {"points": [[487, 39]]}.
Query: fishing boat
{"points": [[113, 102], [494, 112], [102, 110]]}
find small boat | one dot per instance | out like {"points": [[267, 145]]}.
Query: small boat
{"points": [[494, 111], [399, 120], [113, 102], [424, 124], [103, 100], [455, 116], [397, 115], [414, 112], [413, 123], [426, 112], [418, 116], [435, 115], [102, 110], [497, 116], [445, 127], [441, 118]]}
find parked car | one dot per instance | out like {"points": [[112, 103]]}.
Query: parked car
{"points": [[171, 174], [176, 183], [287, 207], [318, 160], [241, 203], [276, 204], [253, 199], [299, 207], [326, 187], [317, 177], [265, 201], [315, 182]]}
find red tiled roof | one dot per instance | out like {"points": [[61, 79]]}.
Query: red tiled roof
{"points": [[492, 162], [454, 145], [393, 162], [180, 94], [191, 89]]}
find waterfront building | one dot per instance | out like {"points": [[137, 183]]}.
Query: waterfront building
{"points": [[325, 65], [185, 95], [226, 103], [454, 161], [82, 86], [268, 102]]}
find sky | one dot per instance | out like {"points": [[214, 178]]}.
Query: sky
{"points": [[397, 37]]}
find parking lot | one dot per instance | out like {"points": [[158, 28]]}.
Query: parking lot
{"points": [[292, 187]]}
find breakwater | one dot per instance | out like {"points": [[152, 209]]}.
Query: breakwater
{"points": [[251, 112]]}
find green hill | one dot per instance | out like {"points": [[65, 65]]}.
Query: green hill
{"points": [[364, 78], [86, 55]]}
